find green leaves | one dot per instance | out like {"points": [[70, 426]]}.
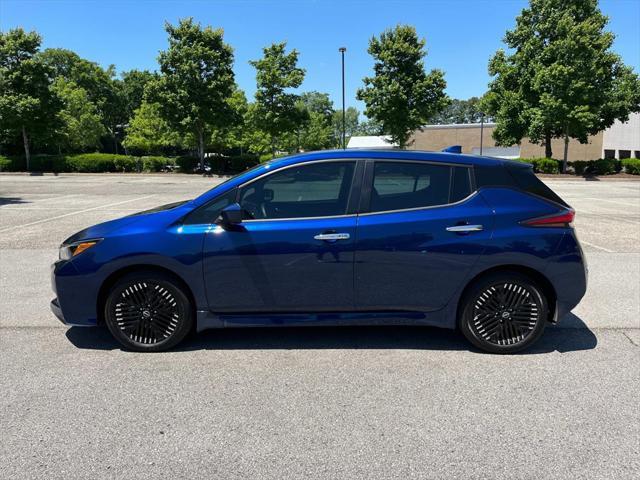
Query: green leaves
{"points": [[275, 110], [401, 95], [562, 79], [197, 81]]}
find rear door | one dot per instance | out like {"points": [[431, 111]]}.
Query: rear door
{"points": [[421, 229]]}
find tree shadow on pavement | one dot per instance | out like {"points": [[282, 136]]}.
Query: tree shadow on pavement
{"points": [[574, 336]]}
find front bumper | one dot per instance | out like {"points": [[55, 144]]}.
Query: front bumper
{"points": [[57, 311], [75, 302]]}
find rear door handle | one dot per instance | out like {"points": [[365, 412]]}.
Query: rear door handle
{"points": [[332, 236], [465, 228]]}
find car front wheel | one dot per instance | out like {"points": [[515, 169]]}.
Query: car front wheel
{"points": [[503, 313], [148, 312]]}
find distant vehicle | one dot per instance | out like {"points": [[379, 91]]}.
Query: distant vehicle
{"points": [[335, 238]]}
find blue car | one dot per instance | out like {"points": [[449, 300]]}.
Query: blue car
{"points": [[347, 237]]}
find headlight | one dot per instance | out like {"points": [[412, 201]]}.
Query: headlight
{"points": [[68, 251]]}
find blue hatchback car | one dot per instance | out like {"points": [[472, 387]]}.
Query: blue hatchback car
{"points": [[345, 237]]}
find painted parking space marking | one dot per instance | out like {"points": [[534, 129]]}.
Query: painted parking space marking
{"points": [[75, 213]]}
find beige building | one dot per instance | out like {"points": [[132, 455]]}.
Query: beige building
{"points": [[621, 140]]}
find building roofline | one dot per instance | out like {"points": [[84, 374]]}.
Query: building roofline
{"points": [[456, 125]]}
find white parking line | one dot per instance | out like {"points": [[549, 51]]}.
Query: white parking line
{"points": [[74, 213], [596, 246]]}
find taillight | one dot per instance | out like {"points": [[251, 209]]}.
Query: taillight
{"points": [[560, 219]]}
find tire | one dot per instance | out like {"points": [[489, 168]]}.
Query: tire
{"points": [[503, 312], [148, 312]]}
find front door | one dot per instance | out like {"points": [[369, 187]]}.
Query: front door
{"points": [[294, 250]]}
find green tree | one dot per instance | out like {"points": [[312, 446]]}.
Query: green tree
{"points": [[81, 125], [28, 107], [230, 135], [459, 111], [316, 130], [401, 95], [562, 79], [351, 118], [275, 111], [148, 132], [102, 88], [133, 86], [196, 82]]}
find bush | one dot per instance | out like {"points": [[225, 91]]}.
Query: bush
{"points": [[631, 165], [240, 163], [5, 164], [543, 165], [186, 164], [156, 163], [95, 162], [126, 163], [581, 167], [606, 166]]}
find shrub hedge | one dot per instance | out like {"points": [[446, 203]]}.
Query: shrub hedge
{"points": [[106, 162], [543, 165], [631, 165]]}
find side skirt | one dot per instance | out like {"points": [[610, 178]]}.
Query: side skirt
{"points": [[208, 320]]}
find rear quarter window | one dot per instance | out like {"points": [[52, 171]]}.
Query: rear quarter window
{"points": [[515, 176]]}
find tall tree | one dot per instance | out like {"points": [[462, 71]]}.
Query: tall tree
{"points": [[81, 125], [401, 95], [562, 79], [316, 133], [275, 108], [27, 104], [351, 117], [133, 85], [196, 83], [148, 132], [102, 87], [459, 111]]}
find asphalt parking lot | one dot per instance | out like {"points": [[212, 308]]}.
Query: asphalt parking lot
{"points": [[320, 403]]}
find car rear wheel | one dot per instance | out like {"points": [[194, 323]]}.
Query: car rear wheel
{"points": [[148, 312], [503, 313]]}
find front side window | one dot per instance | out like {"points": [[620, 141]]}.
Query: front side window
{"points": [[209, 212], [311, 190], [400, 185]]}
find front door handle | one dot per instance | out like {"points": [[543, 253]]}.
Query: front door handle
{"points": [[465, 228], [332, 236]]}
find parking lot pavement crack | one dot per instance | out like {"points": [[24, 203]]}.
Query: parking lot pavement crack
{"points": [[633, 342]]}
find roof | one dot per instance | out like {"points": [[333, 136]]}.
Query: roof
{"points": [[364, 153], [371, 141]]}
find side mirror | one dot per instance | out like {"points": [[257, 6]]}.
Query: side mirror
{"points": [[230, 215]]}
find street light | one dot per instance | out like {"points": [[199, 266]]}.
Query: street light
{"points": [[344, 135], [481, 130]]}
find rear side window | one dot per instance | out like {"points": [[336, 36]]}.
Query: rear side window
{"points": [[403, 185], [515, 176]]}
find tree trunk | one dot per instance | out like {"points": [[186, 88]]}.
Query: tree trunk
{"points": [[201, 149], [25, 139], [566, 152], [273, 147], [547, 144]]}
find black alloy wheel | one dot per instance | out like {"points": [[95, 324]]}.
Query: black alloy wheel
{"points": [[503, 313], [148, 312]]}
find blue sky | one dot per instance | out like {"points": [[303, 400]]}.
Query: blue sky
{"points": [[461, 34]]}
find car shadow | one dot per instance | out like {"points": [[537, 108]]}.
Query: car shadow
{"points": [[572, 336], [12, 201]]}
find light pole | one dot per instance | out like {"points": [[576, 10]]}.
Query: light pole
{"points": [[344, 135], [481, 130]]}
